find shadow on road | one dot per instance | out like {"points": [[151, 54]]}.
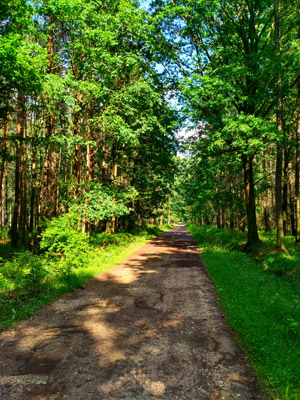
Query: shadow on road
{"points": [[149, 328]]}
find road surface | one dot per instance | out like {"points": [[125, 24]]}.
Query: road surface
{"points": [[149, 328]]}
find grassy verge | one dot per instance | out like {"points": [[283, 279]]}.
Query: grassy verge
{"points": [[28, 281], [260, 294]]}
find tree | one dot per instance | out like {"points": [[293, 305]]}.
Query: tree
{"points": [[228, 78]]}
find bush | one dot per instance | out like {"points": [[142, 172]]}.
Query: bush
{"points": [[25, 272], [61, 239], [4, 234]]}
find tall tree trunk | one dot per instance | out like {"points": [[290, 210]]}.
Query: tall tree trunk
{"points": [[279, 157], [218, 212], [297, 170], [58, 178], [40, 187], [33, 195], [51, 178], [89, 166], [110, 225], [16, 222], [48, 189], [161, 218], [292, 209], [285, 192], [5, 207], [48, 195], [3, 172], [23, 215], [249, 194], [231, 198], [266, 206], [90, 151], [77, 157]]}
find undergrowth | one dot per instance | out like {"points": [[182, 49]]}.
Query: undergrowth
{"points": [[260, 294], [29, 281]]}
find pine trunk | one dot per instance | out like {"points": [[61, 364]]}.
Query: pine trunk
{"points": [[3, 172], [33, 194], [285, 193], [86, 227], [249, 194], [297, 170], [279, 157], [16, 219]]}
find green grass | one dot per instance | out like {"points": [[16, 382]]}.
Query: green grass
{"points": [[28, 281], [260, 295]]}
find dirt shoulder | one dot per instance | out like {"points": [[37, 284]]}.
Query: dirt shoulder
{"points": [[149, 328]]}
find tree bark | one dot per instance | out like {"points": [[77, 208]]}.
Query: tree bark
{"points": [[48, 191], [77, 158], [16, 220], [279, 157], [23, 213], [33, 178], [249, 194], [266, 205], [161, 218], [285, 192], [297, 170], [231, 198], [3, 172], [292, 208]]}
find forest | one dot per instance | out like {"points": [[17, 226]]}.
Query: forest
{"points": [[88, 121], [118, 117], [85, 124]]}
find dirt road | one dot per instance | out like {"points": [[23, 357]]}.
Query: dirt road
{"points": [[150, 328]]}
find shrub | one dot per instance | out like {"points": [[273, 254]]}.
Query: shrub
{"points": [[61, 239], [4, 234], [25, 271]]}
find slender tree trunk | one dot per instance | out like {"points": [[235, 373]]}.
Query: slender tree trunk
{"points": [[292, 209], [5, 206], [89, 166], [40, 187], [249, 194], [223, 217], [161, 218], [48, 192], [23, 214], [279, 157], [77, 161], [3, 172], [90, 152], [58, 178], [33, 195], [297, 170], [266, 207], [278, 193], [231, 197], [66, 164], [218, 212], [285, 192], [51, 175], [110, 225], [16, 225]]}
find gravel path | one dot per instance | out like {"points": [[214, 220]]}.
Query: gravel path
{"points": [[149, 328]]}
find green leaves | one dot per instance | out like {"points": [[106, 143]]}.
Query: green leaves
{"points": [[60, 237], [102, 202], [248, 134]]}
